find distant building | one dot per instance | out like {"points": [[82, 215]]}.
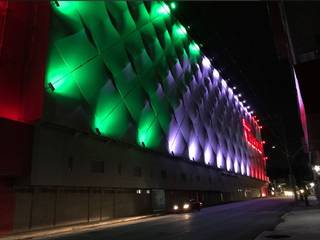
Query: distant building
{"points": [[109, 109]]}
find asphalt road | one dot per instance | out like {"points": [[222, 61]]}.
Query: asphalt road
{"points": [[241, 221]]}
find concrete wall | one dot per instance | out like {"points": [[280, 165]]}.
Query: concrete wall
{"points": [[42, 207], [45, 207], [63, 157]]}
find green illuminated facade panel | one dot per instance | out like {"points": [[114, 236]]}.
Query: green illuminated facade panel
{"points": [[124, 63]]}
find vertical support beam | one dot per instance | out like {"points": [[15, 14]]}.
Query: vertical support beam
{"points": [[55, 207], [88, 217], [31, 208]]}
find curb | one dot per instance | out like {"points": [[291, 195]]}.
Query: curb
{"points": [[72, 229], [277, 233], [263, 235]]}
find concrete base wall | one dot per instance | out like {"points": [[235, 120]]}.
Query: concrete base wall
{"points": [[46, 207], [65, 157], [43, 207]]}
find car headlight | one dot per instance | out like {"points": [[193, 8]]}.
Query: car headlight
{"points": [[186, 206], [175, 207]]}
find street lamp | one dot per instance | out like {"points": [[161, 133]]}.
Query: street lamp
{"points": [[316, 168]]}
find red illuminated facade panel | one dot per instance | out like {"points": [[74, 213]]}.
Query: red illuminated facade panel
{"points": [[23, 46]]}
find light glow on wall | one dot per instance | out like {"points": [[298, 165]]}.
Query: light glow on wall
{"points": [[172, 145], [224, 84], [148, 130], [236, 166], [175, 141], [248, 170], [179, 31], [228, 162], [208, 155], [216, 74], [230, 91], [58, 75], [219, 159], [163, 9], [242, 168], [194, 49], [206, 62], [193, 150]]}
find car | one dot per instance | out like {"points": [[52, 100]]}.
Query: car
{"points": [[187, 206]]}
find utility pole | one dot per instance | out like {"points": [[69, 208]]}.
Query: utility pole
{"points": [[291, 178], [289, 158]]}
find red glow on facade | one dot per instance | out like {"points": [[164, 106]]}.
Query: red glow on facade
{"points": [[250, 138], [21, 85], [258, 160]]}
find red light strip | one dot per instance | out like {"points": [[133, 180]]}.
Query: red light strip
{"points": [[250, 138], [246, 125]]}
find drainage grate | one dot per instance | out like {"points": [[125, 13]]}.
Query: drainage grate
{"points": [[277, 236]]}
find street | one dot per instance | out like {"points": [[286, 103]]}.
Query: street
{"points": [[236, 221]]}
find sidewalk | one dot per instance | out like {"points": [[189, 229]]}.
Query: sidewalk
{"points": [[79, 228], [302, 223]]}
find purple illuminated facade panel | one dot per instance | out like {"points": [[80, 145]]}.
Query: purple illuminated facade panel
{"points": [[207, 125]]}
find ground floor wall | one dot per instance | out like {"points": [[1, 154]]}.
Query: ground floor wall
{"points": [[45, 207], [7, 204], [39, 207], [66, 157]]}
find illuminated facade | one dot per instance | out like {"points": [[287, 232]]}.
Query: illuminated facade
{"points": [[133, 68], [131, 103]]}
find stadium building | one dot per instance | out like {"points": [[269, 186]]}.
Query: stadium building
{"points": [[110, 109]]}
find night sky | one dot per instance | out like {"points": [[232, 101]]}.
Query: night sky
{"points": [[239, 38]]}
